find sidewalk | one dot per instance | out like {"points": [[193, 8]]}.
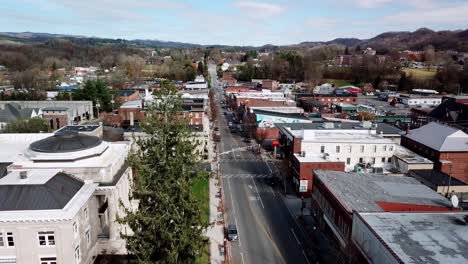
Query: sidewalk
{"points": [[215, 231]]}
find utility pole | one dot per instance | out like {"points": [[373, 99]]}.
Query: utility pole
{"points": [[450, 180]]}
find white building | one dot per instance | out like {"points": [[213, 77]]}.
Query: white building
{"points": [[360, 147], [421, 101], [105, 177]]}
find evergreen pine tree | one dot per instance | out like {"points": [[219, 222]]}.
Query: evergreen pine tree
{"points": [[167, 224]]}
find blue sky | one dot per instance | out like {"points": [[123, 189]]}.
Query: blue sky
{"points": [[233, 22]]}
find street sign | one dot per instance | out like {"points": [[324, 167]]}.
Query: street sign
{"points": [[303, 185], [275, 143]]}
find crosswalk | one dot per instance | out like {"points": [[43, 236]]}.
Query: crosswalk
{"points": [[231, 158], [246, 176]]}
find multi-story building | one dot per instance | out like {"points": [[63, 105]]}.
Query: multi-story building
{"points": [[342, 147], [47, 216], [446, 146], [99, 167], [338, 196]]}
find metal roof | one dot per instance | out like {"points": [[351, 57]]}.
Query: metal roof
{"points": [[54, 194], [440, 137], [362, 191], [65, 141]]}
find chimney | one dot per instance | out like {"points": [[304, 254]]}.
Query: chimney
{"points": [[23, 175], [132, 122]]}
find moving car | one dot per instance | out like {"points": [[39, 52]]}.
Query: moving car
{"points": [[232, 232]]}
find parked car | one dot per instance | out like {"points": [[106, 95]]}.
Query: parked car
{"points": [[232, 232], [216, 128], [247, 140], [230, 124]]}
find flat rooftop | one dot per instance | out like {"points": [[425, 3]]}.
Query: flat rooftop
{"points": [[421, 238], [436, 177], [362, 191]]}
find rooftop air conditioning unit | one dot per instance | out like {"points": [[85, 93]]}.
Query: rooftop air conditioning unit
{"points": [[23, 175], [377, 170]]}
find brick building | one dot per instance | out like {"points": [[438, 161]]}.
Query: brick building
{"points": [[337, 196], [446, 146], [307, 101]]}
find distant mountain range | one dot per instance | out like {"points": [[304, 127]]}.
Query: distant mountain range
{"points": [[442, 40]]}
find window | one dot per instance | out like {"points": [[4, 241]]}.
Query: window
{"points": [[322, 149], [373, 160], [375, 148], [77, 254], [383, 160], [338, 149], [85, 211], [75, 228], [10, 240], [2, 243], [390, 148], [385, 148], [362, 148], [348, 161], [46, 238], [361, 160], [350, 149], [49, 260], [389, 160], [88, 239]]}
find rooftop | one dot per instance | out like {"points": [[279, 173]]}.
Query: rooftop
{"points": [[55, 108], [362, 191], [80, 128], [65, 141], [436, 177], [55, 193], [422, 237], [440, 137]]}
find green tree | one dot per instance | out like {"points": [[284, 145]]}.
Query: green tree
{"points": [[63, 96], [96, 91], [33, 125], [201, 68], [167, 225], [346, 51]]}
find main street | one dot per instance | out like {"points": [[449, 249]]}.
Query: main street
{"points": [[267, 231]]}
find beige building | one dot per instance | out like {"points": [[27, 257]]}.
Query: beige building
{"points": [[87, 175]]}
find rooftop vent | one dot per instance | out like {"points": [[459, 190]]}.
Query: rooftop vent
{"points": [[23, 175]]}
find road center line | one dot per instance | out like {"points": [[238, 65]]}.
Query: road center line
{"points": [[305, 256], [234, 210], [274, 194], [258, 193], [292, 230]]}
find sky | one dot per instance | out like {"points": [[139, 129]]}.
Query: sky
{"points": [[231, 22]]}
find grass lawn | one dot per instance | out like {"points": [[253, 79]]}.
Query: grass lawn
{"points": [[338, 83], [420, 73], [205, 256], [200, 189]]}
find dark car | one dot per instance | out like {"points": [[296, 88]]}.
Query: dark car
{"points": [[232, 232], [271, 181], [247, 140]]}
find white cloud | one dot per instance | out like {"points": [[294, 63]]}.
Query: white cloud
{"points": [[259, 9], [453, 15], [371, 3]]}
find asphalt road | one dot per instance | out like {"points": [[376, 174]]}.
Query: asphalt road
{"points": [[267, 231]]}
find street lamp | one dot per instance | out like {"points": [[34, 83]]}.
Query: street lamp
{"points": [[112, 102], [97, 107]]}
